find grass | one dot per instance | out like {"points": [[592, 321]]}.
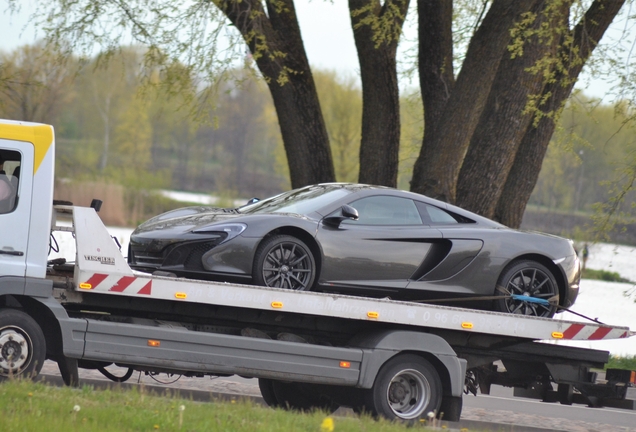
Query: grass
{"points": [[603, 275], [616, 362], [29, 406]]}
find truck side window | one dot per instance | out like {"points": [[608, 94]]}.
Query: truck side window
{"points": [[10, 162]]}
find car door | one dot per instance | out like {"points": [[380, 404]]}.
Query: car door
{"points": [[380, 250], [462, 244], [15, 219]]}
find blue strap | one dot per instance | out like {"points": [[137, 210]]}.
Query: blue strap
{"points": [[529, 299]]}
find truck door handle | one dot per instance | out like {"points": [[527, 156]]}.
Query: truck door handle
{"points": [[16, 253]]}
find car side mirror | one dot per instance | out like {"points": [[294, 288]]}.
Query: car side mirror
{"points": [[347, 211]]}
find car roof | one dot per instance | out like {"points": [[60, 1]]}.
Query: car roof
{"points": [[366, 190]]}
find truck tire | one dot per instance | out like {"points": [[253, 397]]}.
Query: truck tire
{"points": [[22, 345], [406, 388], [451, 408], [266, 387], [301, 397], [284, 261]]}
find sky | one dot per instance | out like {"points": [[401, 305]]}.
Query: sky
{"points": [[325, 27]]}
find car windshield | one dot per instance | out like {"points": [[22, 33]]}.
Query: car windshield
{"points": [[301, 201]]}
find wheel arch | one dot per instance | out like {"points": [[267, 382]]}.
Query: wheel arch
{"points": [[303, 235], [559, 276], [381, 347], [43, 316], [442, 369]]}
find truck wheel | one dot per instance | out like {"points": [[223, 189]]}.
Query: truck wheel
{"points": [[301, 397], [531, 279], [266, 387], [407, 388], [451, 408], [284, 261], [22, 345]]}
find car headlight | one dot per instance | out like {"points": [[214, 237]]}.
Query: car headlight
{"points": [[231, 230]]}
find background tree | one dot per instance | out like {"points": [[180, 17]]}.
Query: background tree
{"points": [[376, 29], [245, 140], [341, 102], [480, 149], [487, 127], [34, 83], [274, 39], [270, 30]]}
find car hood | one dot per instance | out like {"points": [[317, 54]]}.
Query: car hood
{"points": [[181, 223], [184, 220]]}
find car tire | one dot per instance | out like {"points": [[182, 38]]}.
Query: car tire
{"points": [[528, 278], [283, 261]]}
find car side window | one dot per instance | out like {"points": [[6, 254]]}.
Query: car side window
{"points": [[386, 210], [436, 216]]}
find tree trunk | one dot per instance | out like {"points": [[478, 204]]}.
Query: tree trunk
{"points": [[380, 143], [276, 44], [534, 144], [435, 58], [444, 146], [506, 116]]}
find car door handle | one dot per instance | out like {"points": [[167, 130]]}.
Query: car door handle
{"points": [[15, 253]]}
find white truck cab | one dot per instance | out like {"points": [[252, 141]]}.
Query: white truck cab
{"points": [[27, 152]]}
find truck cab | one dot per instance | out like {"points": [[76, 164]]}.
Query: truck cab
{"points": [[27, 157]]}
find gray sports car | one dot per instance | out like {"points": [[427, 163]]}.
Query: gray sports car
{"points": [[364, 240]]}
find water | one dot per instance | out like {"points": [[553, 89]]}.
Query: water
{"points": [[610, 302]]}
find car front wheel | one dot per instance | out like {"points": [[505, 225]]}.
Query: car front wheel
{"points": [[527, 288], [284, 261]]}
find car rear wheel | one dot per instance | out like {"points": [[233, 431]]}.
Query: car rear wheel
{"points": [[284, 261], [527, 288]]}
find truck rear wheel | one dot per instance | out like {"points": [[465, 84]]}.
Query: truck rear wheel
{"points": [[299, 397], [22, 345], [407, 388], [266, 387]]}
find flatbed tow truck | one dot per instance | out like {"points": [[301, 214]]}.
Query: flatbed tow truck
{"points": [[400, 360]]}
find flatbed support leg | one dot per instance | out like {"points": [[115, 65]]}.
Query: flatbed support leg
{"points": [[69, 371]]}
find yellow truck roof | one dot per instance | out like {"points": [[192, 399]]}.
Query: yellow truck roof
{"points": [[40, 135]]}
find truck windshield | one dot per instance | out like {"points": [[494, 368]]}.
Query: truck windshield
{"points": [[301, 201]]}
